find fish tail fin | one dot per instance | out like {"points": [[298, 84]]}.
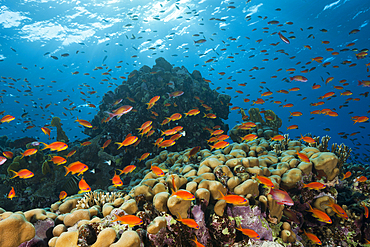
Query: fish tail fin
{"points": [[46, 145], [22, 155], [179, 216], [16, 174], [205, 115], [67, 170], [291, 78], [222, 195], [173, 192]]}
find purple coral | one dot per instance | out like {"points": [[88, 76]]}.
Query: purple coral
{"points": [[251, 218], [202, 233]]}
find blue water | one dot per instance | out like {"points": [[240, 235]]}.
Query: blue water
{"points": [[97, 32]]}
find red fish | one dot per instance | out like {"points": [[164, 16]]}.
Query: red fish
{"points": [[84, 123], [233, 199], [119, 112], [347, 175], [298, 78], [130, 220], [183, 194], [249, 232], [62, 195], [366, 214], [281, 197], [188, 222], [76, 167], [320, 215], [337, 209], [197, 244], [8, 154], [313, 238], [265, 181], [175, 94], [106, 143], [11, 194], [24, 173], [55, 146], [127, 169], [116, 180], [157, 171], [46, 131], [127, 142], [83, 186], [58, 160], [7, 119], [29, 152], [303, 157], [314, 185]]}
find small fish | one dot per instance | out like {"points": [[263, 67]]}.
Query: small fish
{"points": [[23, 173], [106, 143], [366, 213], [127, 169], [313, 238], [265, 181], [337, 209], [303, 157], [116, 180], [130, 220], [157, 171], [29, 152], [281, 197], [11, 194], [188, 222], [62, 195], [2, 160], [233, 199], [183, 194], [46, 131], [347, 175], [197, 243], [314, 185], [83, 186], [249, 232], [55, 146], [307, 139], [320, 215], [76, 167], [361, 179], [127, 142], [84, 123], [8, 154], [58, 160]]}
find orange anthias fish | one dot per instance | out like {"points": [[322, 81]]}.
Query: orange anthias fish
{"points": [[157, 171], [313, 238], [130, 220], [7, 119], [11, 194], [233, 199], [144, 156], [29, 152], [71, 153], [62, 195], [314, 186], [192, 112], [127, 142], [249, 232], [76, 167], [116, 180], [84, 123], [183, 194], [219, 145], [8, 154], [347, 175], [360, 119], [320, 215], [277, 138], [106, 143], [366, 214], [337, 209], [188, 222], [361, 179], [24, 173], [307, 139], [197, 244], [58, 160], [265, 181], [166, 143], [55, 146], [119, 112], [46, 131], [303, 157], [83, 186], [127, 169], [249, 137]]}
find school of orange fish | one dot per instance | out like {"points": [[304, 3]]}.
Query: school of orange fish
{"points": [[329, 88]]}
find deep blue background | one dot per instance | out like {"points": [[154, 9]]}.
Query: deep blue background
{"points": [[33, 28]]}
